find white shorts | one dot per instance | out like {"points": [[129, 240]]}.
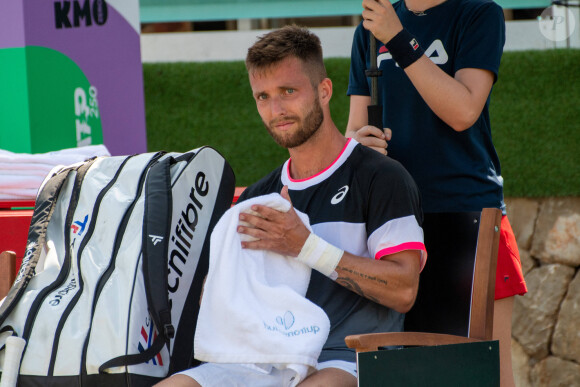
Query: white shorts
{"points": [[340, 364], [215, 374]]}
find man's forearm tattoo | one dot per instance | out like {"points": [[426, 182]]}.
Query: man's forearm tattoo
{"points": [[352, 285], [362, 275]]}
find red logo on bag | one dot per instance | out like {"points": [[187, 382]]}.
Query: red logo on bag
{"points": [[78, 227]]}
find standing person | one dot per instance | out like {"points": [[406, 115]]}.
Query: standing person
{"points": [[366, 245], [439, 60]]}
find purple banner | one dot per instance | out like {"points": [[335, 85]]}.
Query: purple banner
{"points": [[12, 24], [107, 49]]}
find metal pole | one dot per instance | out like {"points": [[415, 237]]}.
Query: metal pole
{"points": [[375, 110]]}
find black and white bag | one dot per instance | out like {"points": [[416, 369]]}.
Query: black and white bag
{"points": [[108, 291]]}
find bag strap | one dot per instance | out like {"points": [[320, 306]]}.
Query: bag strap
{"points": [[43, 210], [142, 357], [156, 227]]}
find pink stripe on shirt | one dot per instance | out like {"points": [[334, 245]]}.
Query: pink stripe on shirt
{"points": [[321, 172], [405, 246]]}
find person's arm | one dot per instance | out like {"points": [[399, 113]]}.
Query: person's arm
{"points": [[391, 281], [358, 128], [457, 100]]}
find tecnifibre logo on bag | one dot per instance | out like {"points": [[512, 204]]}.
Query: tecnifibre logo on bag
{"points": [[80, 13], [55, 299], [183, 234], [32, 246]]}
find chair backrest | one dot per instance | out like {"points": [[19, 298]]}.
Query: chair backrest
{"points": [[7, 272], [457, 285]]}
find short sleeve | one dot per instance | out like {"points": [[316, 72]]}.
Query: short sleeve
{"points": [[357, 80], [482, 38], [394, 214]]}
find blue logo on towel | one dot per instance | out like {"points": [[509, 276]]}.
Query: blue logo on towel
{"points": [[285, 322]]}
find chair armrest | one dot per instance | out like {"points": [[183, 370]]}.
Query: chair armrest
{"points": [[372, 341], [7, 271]]}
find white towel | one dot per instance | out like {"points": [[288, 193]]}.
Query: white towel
{"points": [[253, 309], [63, 156], [20, 181], [21, 174], [18, 193], [30, 169]]}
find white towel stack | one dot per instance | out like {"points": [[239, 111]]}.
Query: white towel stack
{"points": [[21, 174]]}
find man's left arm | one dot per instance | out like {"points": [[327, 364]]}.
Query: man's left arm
{"points": [[391, 281]]}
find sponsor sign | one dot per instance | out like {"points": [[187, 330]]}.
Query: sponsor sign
{"points": [[71, 76]]}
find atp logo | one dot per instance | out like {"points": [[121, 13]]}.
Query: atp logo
{"points": [[436, 52], [78, 227], [339, 196]]}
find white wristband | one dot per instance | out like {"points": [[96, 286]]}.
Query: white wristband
{"points": [[320, 255]]}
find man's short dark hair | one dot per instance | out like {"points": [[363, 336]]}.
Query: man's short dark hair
{"points": [[288, 41]]}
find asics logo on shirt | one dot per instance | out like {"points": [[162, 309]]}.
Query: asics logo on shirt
{"points": [[436, 52], [339, 196]]}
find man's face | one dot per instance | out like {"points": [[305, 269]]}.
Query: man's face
{"points": [[287, 102]]}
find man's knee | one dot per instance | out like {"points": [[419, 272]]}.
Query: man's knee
{"points": [[178, 381], [329, 377]]}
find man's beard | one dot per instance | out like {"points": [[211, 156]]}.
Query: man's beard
{"points": [[310, 125]]}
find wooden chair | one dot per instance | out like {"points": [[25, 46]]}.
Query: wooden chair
{"points": [[7, 272], [448, 331]]}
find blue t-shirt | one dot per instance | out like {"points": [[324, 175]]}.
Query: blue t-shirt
{"points": [[455, 171]]}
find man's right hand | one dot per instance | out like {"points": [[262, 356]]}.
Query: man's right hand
{"points": [[372, 137]]}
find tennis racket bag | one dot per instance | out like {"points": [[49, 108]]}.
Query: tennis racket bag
{"points": [[109, 288]]}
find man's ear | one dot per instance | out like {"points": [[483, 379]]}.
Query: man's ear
{"points": [[325, 91]]}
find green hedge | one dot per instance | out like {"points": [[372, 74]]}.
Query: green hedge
{"points": [[535, 112]]}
